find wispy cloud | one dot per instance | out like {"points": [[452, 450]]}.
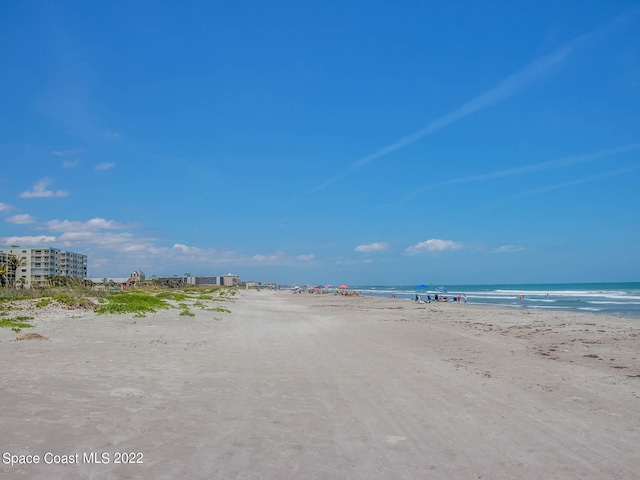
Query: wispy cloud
{"points": [[6, 207], [92, 225], [568, 184], [274, 259], [69, 152], [22, 219], [436, 245], [178, 247], [433, 245], [507, 249], [537, 70], [105, 166], [39, 190], [28, 240], [527, 169], [372, 247]]}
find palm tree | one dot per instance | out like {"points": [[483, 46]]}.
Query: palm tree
{"points": [[14, 264], [54, 280], [3, 274]]}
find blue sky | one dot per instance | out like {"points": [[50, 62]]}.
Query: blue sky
{"points": [[326, 142]]}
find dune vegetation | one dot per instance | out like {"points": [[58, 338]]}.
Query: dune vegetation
{"points": [[137, 300]]}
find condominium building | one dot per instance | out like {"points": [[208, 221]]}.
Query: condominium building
{"points": [[39, 264], [196, 280], [229, 280]]}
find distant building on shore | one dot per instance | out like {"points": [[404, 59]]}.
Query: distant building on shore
{"points": [[254, 284], [229, 280], [196, 280], [136, 276], [38, 265]]}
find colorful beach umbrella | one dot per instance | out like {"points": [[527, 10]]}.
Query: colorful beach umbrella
{"points": [[343, 286], [422, 287]]}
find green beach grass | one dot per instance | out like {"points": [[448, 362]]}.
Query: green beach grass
{"points": [[136, 301]]}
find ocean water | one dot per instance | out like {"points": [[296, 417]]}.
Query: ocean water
{"points": [[622, 299]]}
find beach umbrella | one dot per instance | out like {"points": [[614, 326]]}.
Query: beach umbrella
{"points": [[343, 287], [441, 289], [422, 287]]}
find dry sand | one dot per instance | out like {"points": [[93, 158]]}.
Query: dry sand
{"points": [[323, 387]]}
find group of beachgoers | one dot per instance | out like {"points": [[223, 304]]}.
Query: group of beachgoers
{"points": [[329, 291], [440, 298], [354, 293]]}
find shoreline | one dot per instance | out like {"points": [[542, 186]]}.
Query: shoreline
{"points": [[323, 386], [619, 299]]}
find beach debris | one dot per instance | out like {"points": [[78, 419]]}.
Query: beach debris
{"points": [[32, 336]]}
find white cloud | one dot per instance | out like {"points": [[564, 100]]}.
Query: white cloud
{"points": [[186, 249], [92, 225], [95, 238], [142, 247], [114, 250], [5, 208], [269, 258], [68, 164], [433, 245], [372, 247], [27, 240], [261, 259], [39, 190], [105, 166], [507, 249], [21, 219], [66, 153]]}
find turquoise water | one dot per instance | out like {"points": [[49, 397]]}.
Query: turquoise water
{"points": [[621, 299]]}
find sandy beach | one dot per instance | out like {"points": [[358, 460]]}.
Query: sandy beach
{"points": [[321, 387]]}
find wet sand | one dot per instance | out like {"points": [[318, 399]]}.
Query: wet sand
{"points": [[322, 387]]}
